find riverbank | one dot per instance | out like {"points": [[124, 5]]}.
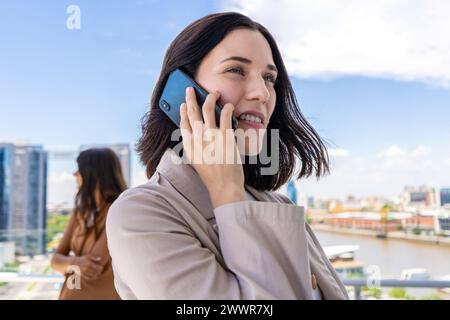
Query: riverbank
{"points": [[435, 240]]}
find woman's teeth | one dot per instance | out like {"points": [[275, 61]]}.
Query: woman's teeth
{"points": [[250, 117]]}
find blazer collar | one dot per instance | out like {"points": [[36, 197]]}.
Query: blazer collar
{"points": [[187, 182]]}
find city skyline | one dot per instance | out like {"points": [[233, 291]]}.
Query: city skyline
{"points": [[63, 159]]}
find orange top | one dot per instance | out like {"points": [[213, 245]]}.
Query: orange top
{"points": [[83, 241]]}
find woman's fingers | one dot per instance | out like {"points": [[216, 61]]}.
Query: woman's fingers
{"points": [[91, 277], [208, 110], [94, 259], [184, 120], [193, 109], [225, 116], [91, 274], [94, 267], [194, 113], [88, 275], [97, 268]]}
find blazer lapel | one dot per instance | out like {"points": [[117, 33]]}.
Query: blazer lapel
{"points": [[186, 181]]}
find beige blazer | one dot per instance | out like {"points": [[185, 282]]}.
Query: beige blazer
{"points": [[167, 242]]}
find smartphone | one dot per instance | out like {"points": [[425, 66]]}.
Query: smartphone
{"points": [[174, 94]]}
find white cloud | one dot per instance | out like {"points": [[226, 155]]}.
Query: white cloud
{"points": [[61, 188], [381, 175], [392, 151], [395, 156], [397, 39], [421, 151], [399, 159], [338, 153]]}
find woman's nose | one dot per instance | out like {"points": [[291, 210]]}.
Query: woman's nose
{"points": [[258, 90]]}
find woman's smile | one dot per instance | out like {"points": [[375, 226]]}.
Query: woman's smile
{"points": [[251, 119], [248, 124]]}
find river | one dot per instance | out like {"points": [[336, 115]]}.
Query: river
{"points": [[392, 256]]}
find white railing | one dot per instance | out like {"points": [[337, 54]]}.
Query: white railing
{"points": [[17, 277], [358, 283]]}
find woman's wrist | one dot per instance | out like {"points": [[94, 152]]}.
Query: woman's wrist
{"points": [[227, 195]]}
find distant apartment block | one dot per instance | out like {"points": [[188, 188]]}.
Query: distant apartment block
{"points": [[420, 197], [23, 197], [444, 194], [443, 223]]}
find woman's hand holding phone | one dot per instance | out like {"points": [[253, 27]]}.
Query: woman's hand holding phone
{"points": [[222, 173]]}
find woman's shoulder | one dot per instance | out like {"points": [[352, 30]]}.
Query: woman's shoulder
{"points": [[137, 193], [142, 202], [147, 193]]}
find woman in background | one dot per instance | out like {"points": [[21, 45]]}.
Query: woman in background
{"points": [[88, 271]]}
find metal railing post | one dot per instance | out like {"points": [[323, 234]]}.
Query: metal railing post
{"points": [[357, 292]]}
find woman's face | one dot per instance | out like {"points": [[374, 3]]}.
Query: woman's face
{"points": [[242, 69]]}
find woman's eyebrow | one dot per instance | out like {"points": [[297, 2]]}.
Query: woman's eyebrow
{"points": [[248, 61]]}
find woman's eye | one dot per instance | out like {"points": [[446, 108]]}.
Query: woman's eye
{"points": [[235, 70], [271, 78]]}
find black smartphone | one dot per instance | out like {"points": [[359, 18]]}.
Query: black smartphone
{"points": [[174, 94]]}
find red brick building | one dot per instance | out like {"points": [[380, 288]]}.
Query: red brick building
{"points": [[362, 220]]}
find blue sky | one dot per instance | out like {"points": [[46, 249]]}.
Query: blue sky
{"points": [[66, 87]]}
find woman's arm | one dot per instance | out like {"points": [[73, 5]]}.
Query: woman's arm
{"points": [[89, 265], [61, 259]]}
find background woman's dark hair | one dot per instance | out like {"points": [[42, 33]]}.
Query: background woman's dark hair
{"points": [[98, 167], [297, 137]]}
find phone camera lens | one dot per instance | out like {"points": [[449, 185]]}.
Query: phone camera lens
{"points": [[165, 105]]}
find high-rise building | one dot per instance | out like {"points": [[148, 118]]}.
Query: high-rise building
{"points": [[444, 196], [23, 197], [6, 203], [292, 191], [123, 152]]}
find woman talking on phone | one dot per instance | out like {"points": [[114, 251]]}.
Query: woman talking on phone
{"points": [[217, 230]]}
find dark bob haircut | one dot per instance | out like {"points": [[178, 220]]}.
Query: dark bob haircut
{"points": [[298, 140]]}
